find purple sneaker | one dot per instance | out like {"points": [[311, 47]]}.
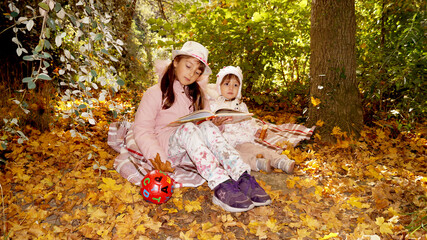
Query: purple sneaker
{"points": [[228, 196], [249, 186]]}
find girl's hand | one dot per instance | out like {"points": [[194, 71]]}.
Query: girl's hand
{"points": [[218, 121]]}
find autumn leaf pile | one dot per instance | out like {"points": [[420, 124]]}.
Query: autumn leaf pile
{"points": [[55, 186]]}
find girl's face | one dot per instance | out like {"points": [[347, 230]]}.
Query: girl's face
{"points": [[229, 87], [187, 69]]}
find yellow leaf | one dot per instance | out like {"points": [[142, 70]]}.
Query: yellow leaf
{"points": [[109, 184], [379, 221], [315, 101], [178, 203], [35, 143], [290, 182], [373, 172], [319, 123], [227, 218], [206, 225], [330, 235], [384, 227], [47, 195], [153, 225], [307, 183], [59, 196], [141, 228], [104, 155], [331, 220], [191, 206], [47, 181], [257, 228], [392, 211], [253, 226], [98, 214], [380, 134], [319, 190], [343, 144], [337, 131], [102, 232], [354, 201], [310, 222], [208, 236], [302, 233], [170, 210], [189, 235], [272, 225], [67, 218], [19, 173]]}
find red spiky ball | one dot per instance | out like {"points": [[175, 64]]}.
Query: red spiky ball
{"points": [[157, 187]]}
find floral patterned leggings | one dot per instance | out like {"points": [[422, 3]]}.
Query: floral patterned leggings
{"points": [[204, 146]]}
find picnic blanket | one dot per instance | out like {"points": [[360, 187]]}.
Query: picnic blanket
{"points": [[279, 137], [131, 164]]}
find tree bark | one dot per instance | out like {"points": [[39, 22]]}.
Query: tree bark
{"points": [[333, 68]]}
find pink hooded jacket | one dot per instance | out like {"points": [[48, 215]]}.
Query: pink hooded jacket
{"points": [[150, 126]]}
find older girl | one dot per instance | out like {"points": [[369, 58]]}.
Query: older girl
{"points": [[198, 152]]}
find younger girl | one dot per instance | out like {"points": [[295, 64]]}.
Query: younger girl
{"points": [[197, 152], [244, 135]]}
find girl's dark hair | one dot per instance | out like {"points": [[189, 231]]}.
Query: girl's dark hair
{"points": [[230, 76], [194, 91]]}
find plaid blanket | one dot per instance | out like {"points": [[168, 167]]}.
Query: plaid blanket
{"points": [[279, 137], [131, 164]]}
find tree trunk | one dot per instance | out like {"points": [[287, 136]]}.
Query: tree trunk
{"points": [[333, 68]]}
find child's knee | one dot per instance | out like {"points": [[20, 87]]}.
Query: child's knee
{"points": [[208, 126]]}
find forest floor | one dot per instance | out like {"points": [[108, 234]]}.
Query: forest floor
{"points": [[54, 186]]}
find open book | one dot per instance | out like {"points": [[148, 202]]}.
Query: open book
{"points": [[201, 115]]}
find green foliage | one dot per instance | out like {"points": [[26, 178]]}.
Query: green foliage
{"points": [[76, 48], [269, 40], [391, 58]]}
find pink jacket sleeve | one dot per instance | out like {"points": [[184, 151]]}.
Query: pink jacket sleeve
{"points": [[145, 124]]}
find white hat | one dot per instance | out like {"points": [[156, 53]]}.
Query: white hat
{"points": [[196, 50], [230, 70]]}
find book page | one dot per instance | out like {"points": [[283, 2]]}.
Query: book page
{"points": [[237, 116], [198, 115], [227, 110]]}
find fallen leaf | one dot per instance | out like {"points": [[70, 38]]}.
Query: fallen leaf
{"points": [[272, 225], [292, 181], [162, 166], [355, 201], [315, 101], [98, 214], [170, 210], [330, 235], [191, 206], [384, 226], [320, 123]]}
